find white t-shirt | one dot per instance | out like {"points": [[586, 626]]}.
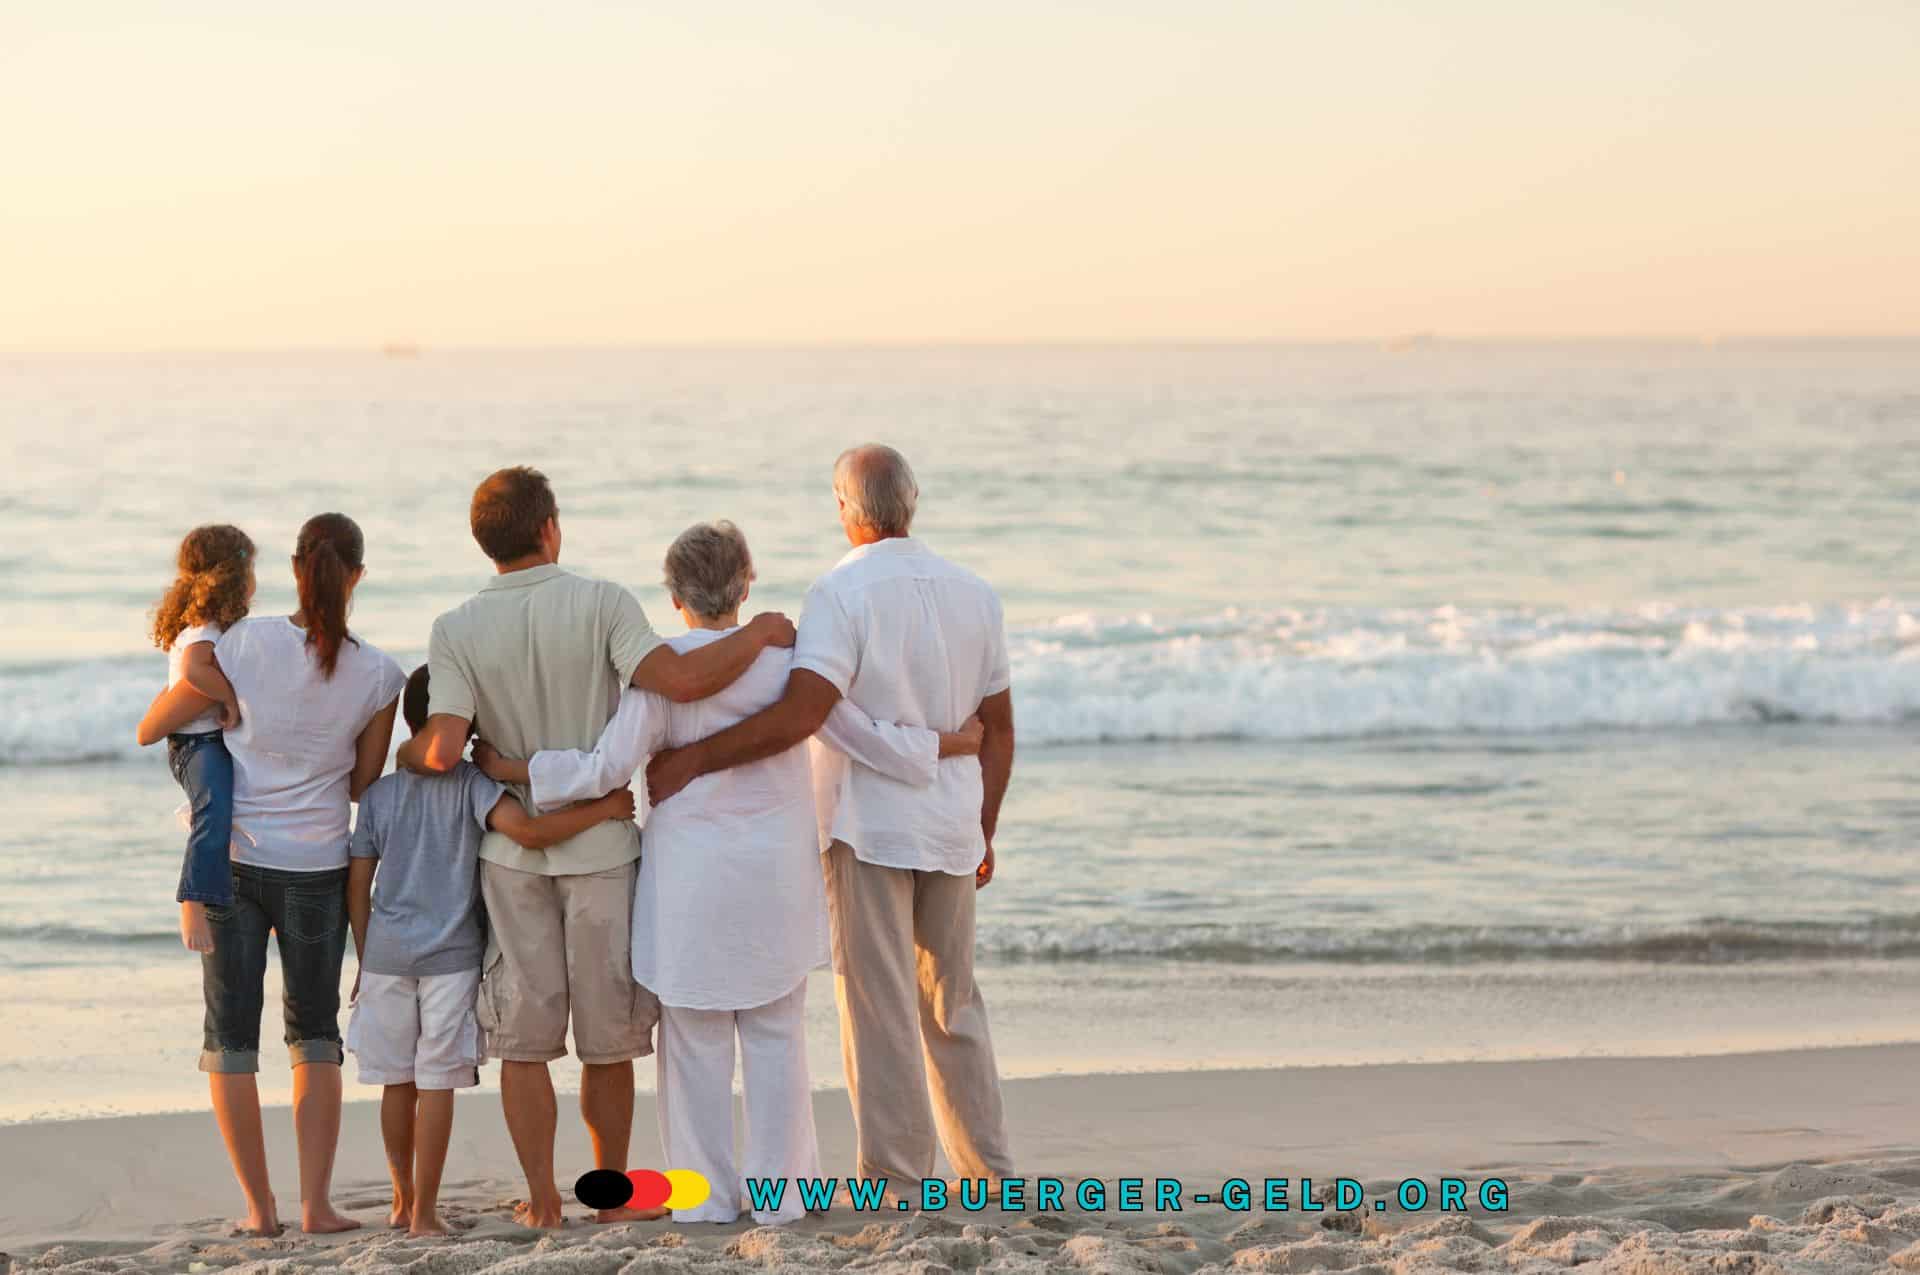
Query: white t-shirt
{"points": [[209, 721], [729, 908], [294, 748], [910, 638]]}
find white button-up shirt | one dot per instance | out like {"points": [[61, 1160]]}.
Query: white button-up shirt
{"points": [[911, 638], [729, 911]]}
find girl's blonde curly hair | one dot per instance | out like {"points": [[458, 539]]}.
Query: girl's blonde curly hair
{"points": [[211, 588]]}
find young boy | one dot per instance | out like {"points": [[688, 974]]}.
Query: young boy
{"points": [[417, 930]]}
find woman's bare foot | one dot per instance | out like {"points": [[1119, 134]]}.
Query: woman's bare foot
{"points": [[324, 1219], [402, 1215], [631, 1215], [538, 1217], [195, 931], [426, 1224], [260, 1222]]}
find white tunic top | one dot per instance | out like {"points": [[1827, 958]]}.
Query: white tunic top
{"points": [[729, 911], [908, 637], [294, 748]]}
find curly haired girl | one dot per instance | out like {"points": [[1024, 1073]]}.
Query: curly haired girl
{"points": [[211, 592]]}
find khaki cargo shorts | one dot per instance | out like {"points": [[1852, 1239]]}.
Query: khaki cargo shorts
{"points": [[560, 946]]}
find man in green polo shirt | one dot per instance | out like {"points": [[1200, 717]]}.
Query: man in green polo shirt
{"points": [[537, 660]]}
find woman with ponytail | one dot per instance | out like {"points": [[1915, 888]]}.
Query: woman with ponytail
{"points": [[316, 707], [326, 566]]}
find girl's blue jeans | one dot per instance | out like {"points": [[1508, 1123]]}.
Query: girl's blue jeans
{"points": [[203, 768]]}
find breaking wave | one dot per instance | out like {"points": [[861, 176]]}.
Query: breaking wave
{"points": [[1324, 673]]}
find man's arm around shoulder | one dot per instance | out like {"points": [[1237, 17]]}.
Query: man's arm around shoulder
{"points": [[774, 729], [684, 676], [437, 748]]}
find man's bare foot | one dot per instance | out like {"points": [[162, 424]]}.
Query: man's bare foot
{"points": [[323, 1219], [195, 931], [964, 1189], [610, 1216], [538, 1217], [426, 1224], [402, 1215]]}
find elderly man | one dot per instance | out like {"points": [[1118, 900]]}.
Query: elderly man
{"points": [[537, 659], [911, 638]]}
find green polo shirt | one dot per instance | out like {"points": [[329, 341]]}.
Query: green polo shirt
{"points": [[537, 659]]}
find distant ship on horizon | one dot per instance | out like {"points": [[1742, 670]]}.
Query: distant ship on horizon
{"points": [[400, 350], [1410, 341]]}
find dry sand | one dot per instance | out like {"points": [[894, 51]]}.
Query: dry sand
{"points": [[1803, 1161]]}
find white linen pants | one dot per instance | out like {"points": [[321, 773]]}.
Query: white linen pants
{"points": [[695, 1102]]}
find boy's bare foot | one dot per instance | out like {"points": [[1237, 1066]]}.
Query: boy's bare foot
{"points": [[538, 1217], [324, 1219], [610, 1216], [402, 1215], [195, 931], [427, 1224]]}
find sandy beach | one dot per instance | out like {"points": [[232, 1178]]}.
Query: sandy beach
{"points": [[1795, 1161]]}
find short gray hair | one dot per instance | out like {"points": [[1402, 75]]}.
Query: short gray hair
{"points": [[878, 486], [709, 567]]}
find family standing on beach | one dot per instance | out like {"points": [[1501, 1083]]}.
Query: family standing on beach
{"points": [[829, 791]]}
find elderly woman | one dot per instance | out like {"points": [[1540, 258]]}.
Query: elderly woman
{"points": [[729, 911]]}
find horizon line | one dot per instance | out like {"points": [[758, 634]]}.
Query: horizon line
{"points": [[1408, 342]]}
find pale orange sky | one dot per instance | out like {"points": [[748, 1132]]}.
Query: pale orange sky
{"points": [[235, 175]]}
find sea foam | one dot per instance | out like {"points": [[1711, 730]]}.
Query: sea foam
{"points": [[1311, 673]]}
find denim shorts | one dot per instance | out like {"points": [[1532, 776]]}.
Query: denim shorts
{"points": [[307, 913]]}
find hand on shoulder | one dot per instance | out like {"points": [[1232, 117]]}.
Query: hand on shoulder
{"points": [[774, 628]]}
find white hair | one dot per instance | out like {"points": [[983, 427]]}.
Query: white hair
{"points": [[709, 567], [878, 486]]}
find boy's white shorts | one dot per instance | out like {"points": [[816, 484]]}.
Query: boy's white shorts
{"points": [[417, 1031]]}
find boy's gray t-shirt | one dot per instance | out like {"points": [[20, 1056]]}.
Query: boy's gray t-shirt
{"points": [[426, 831]]}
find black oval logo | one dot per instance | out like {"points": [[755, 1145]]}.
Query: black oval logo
{"points": [[603, 1188]]}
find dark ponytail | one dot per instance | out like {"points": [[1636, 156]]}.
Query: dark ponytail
{"points": [[329, 551]]}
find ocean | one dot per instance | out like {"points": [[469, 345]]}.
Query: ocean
{"points": [[1460, 701]]}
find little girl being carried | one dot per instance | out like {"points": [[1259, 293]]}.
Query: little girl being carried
{"points": [[212, 591]]}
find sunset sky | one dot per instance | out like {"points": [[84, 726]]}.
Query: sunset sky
{"points": [[238, 175]]}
